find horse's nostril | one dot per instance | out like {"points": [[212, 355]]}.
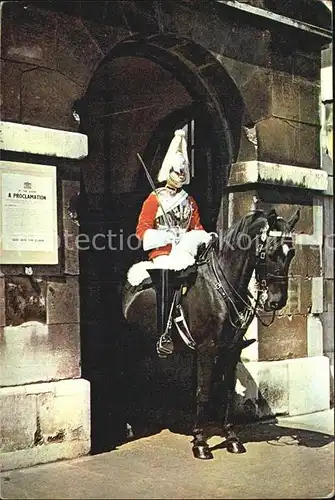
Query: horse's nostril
{"points": [[273, 304]]}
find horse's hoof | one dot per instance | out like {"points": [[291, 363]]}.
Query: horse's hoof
{"points": [[203, 452], [235, 447]]}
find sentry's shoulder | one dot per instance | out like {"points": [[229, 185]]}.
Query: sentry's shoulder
{"points": [[152, 198]]}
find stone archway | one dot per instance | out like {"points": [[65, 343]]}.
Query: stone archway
{"points": [[140, 93], [174, 72]]}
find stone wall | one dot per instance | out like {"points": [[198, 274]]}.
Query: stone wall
{"points": [[44, 422], [49, 59], [327, 317], [45, 405], [40, 328]]}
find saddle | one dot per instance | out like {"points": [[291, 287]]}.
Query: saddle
{"points": [[169, 305]]}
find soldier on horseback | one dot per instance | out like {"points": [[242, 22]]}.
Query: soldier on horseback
{"points": [[170, 227]]}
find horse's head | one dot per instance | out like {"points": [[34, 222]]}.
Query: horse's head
{"points": [[276, 252]]}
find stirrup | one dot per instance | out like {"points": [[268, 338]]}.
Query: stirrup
{"points": [[164, 346]]}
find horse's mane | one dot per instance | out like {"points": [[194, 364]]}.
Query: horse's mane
{"points": [[242, 226]]}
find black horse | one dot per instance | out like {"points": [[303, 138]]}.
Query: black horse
{"points": [[219, 308]]}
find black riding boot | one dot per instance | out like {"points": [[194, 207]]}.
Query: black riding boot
{"points": [[160, 279]]}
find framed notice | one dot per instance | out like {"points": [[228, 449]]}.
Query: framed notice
{"points": [[28, 214]]}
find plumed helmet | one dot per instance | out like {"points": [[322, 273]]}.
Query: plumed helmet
{"points": [[176, 158]]}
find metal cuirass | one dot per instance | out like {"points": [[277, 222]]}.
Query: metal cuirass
{"points": [[178, 209]]}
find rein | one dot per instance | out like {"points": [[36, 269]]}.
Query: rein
{"points": [[250, 311]]}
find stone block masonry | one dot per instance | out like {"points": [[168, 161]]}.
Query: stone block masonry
{"points": [[44, 422], [285, 387]]}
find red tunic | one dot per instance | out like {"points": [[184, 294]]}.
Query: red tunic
{"points": [[147, 220]]}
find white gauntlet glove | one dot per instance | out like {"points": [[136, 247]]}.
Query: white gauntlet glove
{"points": [[174, 234]]}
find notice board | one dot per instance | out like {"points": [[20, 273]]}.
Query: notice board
{"points": [[28, 213]]}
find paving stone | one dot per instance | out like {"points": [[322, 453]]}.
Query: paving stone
{"points": [[300, 444]]}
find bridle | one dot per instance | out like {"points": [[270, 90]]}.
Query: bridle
{"points": [[230, 295], [229, 292]]}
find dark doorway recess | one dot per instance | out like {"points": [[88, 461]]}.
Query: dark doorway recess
{"points": [[136, 99]]}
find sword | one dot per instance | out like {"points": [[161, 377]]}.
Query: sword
{"points": [[151, 182]]}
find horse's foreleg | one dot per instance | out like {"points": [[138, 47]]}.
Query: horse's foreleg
{"points": [[204, 367], [233, 443]]}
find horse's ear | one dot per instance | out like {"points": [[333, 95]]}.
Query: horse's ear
{"points": [[272, 217], [294, 219]]}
